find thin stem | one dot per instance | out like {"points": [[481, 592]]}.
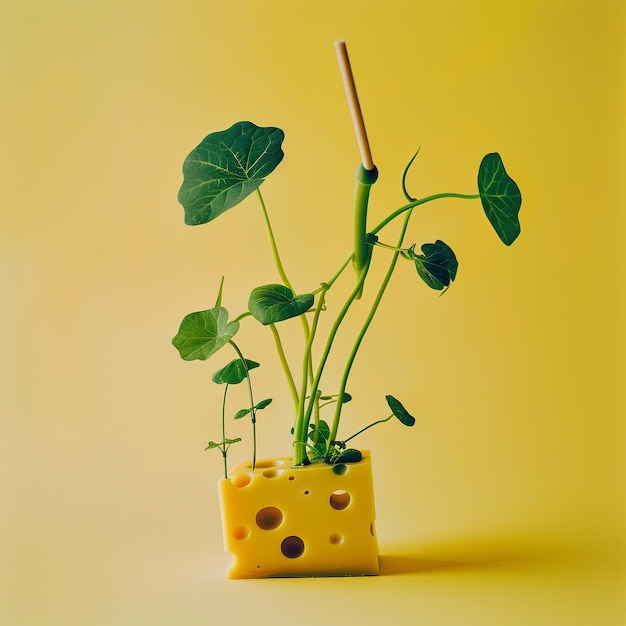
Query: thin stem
{"points": [[270, 233], [300, 434], [368, 321], [224, 431], [281, 269], [412, 205], [300, 450], [367, 427], [285, 365], [252, 409]]}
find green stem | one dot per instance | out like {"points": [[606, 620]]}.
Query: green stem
{"points": [[300, 434], [224, 431], [285, 366], [299, 427], [412, 205], [281, 269], [368, 321], [270, 233], [250, 395], [364, 181], [367, 427]]}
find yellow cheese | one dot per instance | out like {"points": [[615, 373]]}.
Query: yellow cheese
{"points": [[280, 520]]}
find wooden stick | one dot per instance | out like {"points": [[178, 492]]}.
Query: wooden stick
{"points": [[353, 102]]}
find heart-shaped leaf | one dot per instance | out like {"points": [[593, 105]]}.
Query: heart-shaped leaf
{"points": [[500, 197], [437, 267], [274, 303], [203, 333], [234, 373], [226, 167], [399, 411]]}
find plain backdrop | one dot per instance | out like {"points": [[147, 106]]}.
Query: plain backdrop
{"points": [[505, 503]]}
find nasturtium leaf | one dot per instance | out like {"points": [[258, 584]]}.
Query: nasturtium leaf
{"points": [[349, 456], [399, 411], [274, 303], [234, 373], [226, 167], [257, 407], [500, 197], [203, 333], [437, 266]]}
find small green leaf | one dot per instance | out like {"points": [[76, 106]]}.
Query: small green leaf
{"points": [[270, 304], [234, 373], [261, 405], [349, 456], [257, 407], [399, 411], [203, 333], [500, 197], [320, 434], [222, 444], [226, 167], [346, 398], [438, 266]]}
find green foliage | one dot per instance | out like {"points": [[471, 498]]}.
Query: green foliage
{"points": [[203, 333], [222, 445], [235, 372], [257, 407], [500, 197], [270, 304], [226, 167], [397, 408], [437, 266]]}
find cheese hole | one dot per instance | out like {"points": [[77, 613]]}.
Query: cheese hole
{"points": [[241, 532], [336, 539], [373, 529], [339, 500], [269, 518], [292, 547], [273, 473], [241, 480]]}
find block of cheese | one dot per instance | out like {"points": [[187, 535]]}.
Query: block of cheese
{"points": [[317, 520]]}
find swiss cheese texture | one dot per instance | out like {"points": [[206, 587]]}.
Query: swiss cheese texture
{"points": [[280, 520]]}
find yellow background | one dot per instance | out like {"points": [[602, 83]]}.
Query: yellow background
{"points": [[505, 503]]}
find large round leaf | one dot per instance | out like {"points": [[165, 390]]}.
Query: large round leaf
{"points": [[226, 167], [500, 197], [203, 333]]}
